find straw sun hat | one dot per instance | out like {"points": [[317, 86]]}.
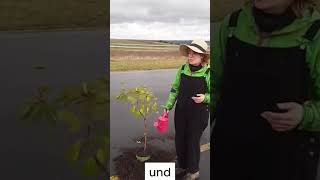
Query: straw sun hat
{"points": [[198, 46]]}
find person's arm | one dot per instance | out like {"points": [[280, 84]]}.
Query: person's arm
{"points": [[218, 55], [311, 109], [207, 95], [173, 92], [311, 116]]}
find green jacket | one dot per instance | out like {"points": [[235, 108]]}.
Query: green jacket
{"points": [[176, 83], [290, 36]]}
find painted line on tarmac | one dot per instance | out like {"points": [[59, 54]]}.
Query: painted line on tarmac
{"points": [[114, 178], [205, 147]]}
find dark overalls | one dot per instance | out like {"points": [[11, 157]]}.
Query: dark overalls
{"points": [[244, 145], [190, 120]]}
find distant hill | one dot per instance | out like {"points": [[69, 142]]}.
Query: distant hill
{"points": [[149, 43], [179, 42]]}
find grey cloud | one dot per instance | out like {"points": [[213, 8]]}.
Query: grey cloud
{"points": [[170, 11]]}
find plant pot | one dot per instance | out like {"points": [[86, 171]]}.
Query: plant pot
{"points": [[142, 155], [143, 158]]}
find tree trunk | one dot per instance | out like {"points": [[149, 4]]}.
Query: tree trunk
{"points": [[145, 134]]}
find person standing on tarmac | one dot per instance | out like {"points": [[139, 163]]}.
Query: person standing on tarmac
{"points": [[191, 92], [266, 92]]}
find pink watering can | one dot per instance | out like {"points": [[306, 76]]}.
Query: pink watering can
{"points": [[162, 123]]}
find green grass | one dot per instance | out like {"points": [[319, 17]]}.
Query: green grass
{"points": [[131, 55], [53, 14], [141, 42], [145, 64]]}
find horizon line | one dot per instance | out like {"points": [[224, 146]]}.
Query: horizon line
{"points": [[154, 39]]}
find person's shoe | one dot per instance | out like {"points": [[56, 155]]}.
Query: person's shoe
{"points": [[180, 172], [192, 176]]}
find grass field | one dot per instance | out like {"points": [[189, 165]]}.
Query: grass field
{"points": [[49, 14], [127, 55]]}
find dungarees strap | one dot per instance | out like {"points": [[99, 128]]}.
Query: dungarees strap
{"points": [[313, 30], [233, 21]]}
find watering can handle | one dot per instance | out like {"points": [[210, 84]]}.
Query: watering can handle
{"points": [[165, 114]]}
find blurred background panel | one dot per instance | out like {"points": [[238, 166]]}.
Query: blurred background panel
{"points": [[52, 50], [48, 14]]}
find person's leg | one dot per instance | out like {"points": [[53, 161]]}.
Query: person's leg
{"points": [[299, 158], [194, 129], [205, 117], [305, 163], [229, 162], [193, 151], [283, 159], [268, 162], [180, 143]]}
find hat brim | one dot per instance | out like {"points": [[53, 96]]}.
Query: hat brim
{"points": [[184, 50]]}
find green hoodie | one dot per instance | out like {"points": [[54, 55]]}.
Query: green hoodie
{"points": [[176, 83], [291, 35]]}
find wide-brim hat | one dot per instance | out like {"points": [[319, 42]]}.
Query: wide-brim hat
{"points": [[198, 46]]}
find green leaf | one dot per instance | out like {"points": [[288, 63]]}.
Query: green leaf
{"points": [[131, 99], [36, 113], [71, 120], [102, 155], [137, 115], [85, 88], [141, 97], [100, 112], [69, 95], [73, 152], [44, 90], [50, 113], [141, 109], [27, 111], [90, 167], [133, 108], [155, 107], [142, 158]]}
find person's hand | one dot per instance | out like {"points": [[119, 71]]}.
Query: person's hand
{"points": [[285, 121], [165, 111], [199, 98]]}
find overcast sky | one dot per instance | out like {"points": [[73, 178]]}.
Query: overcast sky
{"points": [[160, 19]]}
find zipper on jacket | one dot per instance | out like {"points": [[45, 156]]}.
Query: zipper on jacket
{"points": [[260, 40], [262, 37]]}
